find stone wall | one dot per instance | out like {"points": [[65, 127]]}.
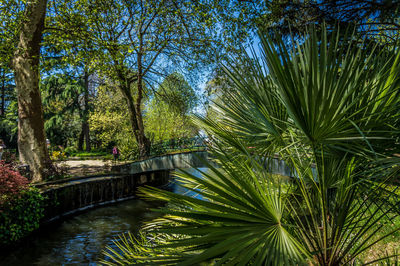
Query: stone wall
{"points": [[74, 195], [77, 195]]}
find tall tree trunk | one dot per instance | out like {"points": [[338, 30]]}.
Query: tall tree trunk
{"points": [[85, 122], [143, 142], [141, 139], [86, 135], [81, 139], [31, 136], [134, 108]]}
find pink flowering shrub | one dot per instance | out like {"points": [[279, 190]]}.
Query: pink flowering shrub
{"points": [[11, 182], [21, 206]]}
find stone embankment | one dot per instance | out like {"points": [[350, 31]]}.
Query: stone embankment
{"points": [[78, 194]]}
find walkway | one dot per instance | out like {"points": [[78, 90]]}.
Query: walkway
{"points": [[86, 167]]}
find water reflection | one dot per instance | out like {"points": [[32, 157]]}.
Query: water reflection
{"points": [[175, 185], [81, 239]]}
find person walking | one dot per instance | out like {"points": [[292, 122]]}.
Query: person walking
{"points": [[115, 153]]}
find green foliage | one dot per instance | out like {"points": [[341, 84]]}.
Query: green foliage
{"points": [[9, 122], [177, 92], [131, 248], [10, 19], [62, 97], [90, 154], [8, 101], [20, 216], [369, 19], [168, 112], [143, 41], [57, 156], [70, 150], [109, 122], [329, 109], [186, 39]]}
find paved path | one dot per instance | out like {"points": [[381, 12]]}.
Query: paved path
{"points": [[85, 167], [80, 163]]}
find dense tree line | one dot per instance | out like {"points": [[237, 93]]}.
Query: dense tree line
{"points": [[130, 46], [60, 53]]}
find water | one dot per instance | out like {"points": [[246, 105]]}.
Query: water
{"points": [[80, 240]]}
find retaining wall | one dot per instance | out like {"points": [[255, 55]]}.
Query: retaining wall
{"points": [[77, 195], [71, 196]]}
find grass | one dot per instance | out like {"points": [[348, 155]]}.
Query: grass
{"points": [[91, 154], [388, 246]]}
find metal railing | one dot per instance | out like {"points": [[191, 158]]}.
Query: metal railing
{"points": [[174, 145]]}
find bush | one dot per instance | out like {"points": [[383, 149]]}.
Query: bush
{"points": [[21, 207], [70, 150], [11, 182], [55, 172], [20, 215], [9, 156], [57, 156]]}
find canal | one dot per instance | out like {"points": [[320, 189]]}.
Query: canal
{"points": [[80, 239]]}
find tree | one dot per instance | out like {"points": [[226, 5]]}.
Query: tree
{"points": [[168, 112], [140, 36], [10, 15], [9, 125], [138, 42], [166, 115], [31, 137], [70, 50], [6, 90], [329, 110], [369, 18], [9, 18], [109, 123], [63, 98]]}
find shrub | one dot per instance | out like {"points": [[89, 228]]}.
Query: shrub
{"points": [[11, 182], [70, 150], [20, 215], [20, 206], [57, 156], [9, 156], [55, 172]]}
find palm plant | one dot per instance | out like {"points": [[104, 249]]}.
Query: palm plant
{"points": [[329, 109]]}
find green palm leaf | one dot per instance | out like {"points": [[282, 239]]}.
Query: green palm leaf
{"points": [[329, 108]]}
